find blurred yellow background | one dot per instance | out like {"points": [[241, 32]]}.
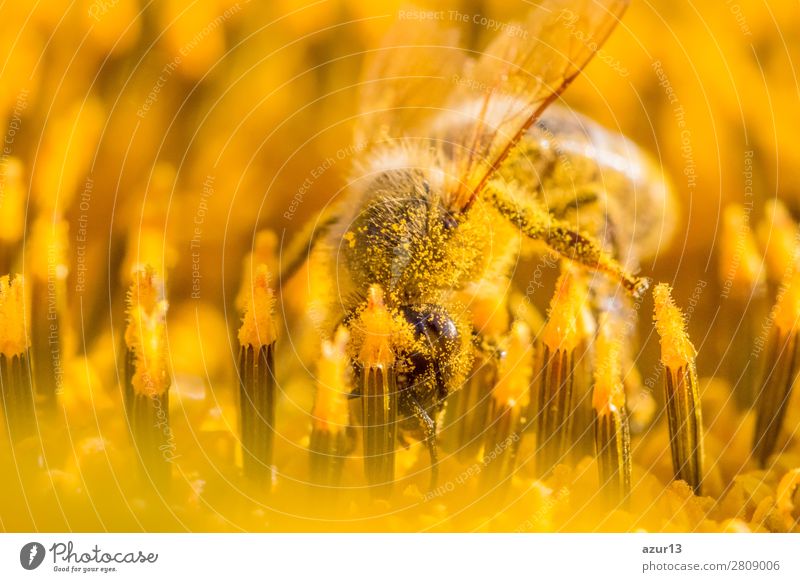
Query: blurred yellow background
{"points": [[132, 109], [254, 95], [177, 127]]}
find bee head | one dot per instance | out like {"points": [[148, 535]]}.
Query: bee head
{"points": [[429, 366]]}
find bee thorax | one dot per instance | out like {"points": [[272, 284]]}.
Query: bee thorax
{"points": [[404, 239]]}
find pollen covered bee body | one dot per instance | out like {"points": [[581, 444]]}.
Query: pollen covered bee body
{"points": [[598, 181], [453, 181]]}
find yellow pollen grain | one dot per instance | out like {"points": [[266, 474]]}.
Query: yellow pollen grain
{"points": [[564, 327], [14, 338], [331, 410], [676, 347], [516, 369], [258, 324]]}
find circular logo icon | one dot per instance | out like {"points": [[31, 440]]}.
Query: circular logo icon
{"points": [[31, 555]]}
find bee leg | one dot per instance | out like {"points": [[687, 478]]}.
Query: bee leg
{"points": [[539, 224], [428, 426], [577, 201]]}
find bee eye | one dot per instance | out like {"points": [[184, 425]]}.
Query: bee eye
{"points": [[442, 326], [449, 221], [432, 323], [438, 335]]}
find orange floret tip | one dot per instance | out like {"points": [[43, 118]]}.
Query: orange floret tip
{"points": [[14, 338], [258, 324], [609, 392], [377, 325], [13, 193], [565, 325], [146, 333], [676, 347]]}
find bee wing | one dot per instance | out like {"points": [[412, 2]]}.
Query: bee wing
{"points": [[520, 73], [408, 79]]}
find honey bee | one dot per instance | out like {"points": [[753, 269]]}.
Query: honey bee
{"points": [[465, 158]]}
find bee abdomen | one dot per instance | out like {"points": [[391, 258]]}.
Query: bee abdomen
{"points": [[596, 179]]}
